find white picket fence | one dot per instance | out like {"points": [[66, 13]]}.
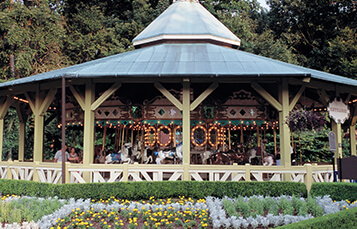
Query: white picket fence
{"points": [[78, 173]]}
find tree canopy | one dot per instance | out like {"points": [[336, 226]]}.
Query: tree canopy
{"points": [[43, 35]]}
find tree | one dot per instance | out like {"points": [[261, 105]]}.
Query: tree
{"points": [[31, 38], [309, 25], [342, 53], [97, 29]]}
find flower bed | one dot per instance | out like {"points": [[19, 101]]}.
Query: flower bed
{"points": [[241, 212]]}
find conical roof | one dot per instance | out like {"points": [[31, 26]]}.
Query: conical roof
{"points": [[183, 60], [186, 21]]}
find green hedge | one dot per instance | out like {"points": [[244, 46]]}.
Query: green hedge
{"points": [[337, 191], [344, 219], [144, 190]]}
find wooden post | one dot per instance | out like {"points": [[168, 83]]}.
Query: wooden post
{"points": [[104, 137], [336, 127], [247, 172], [22, 130], [119, 137], [1, 136], [229, 139], [241, 134], [308, 177], [132, 137], [122, 137], [126, 134], [258, 137], [186, 128], [39, 107], [88, 135], [283, 127], [353, 139], [275, 143]]}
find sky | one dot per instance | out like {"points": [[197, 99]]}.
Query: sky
{"points": [[263, 3]]}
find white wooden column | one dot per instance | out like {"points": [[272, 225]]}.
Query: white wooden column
{"points": [[283, 127], [89, 104], [186, 128], [4, 107], [336, 128], [39, 107], [186, 107], [22, 131], [88, 136], [283, 106]]}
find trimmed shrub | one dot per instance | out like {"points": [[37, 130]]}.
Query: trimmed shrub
{"points": [[344, 219], [337, 191], [144, 190]]}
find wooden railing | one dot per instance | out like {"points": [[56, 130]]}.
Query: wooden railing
{"points": [[79, 173]]}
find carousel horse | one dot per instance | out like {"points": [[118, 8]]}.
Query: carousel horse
{"points": [[136, 151], [163, 155], [254, 156], [268, 160], [148, 156], [227, 157], [123, 156], [179, 152], [205, 156], [174, 155], [112, 158]]}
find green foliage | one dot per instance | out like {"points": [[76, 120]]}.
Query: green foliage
{"points": [[145, 190], [33, 33], [342, 53], [11, 139], [24, 209], [313, 29], [337, 191], [344, 219]]}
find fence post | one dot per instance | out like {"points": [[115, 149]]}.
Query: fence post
{"points": [[186, 172], [67, 176], [125, 172], [308, 177], [35, 172], [9, 174], [247, 172]]}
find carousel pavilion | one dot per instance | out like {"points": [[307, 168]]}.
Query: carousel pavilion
{"points": [[186, 77]]}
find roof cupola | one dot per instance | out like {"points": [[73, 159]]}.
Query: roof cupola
{"points": [[186, 21]]}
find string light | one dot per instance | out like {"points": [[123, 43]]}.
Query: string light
{"points": [[21, 100], [205, 136], [149, 139], [158, 137]]}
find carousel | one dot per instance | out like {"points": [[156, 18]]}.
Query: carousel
{"points": [[186, 95]]}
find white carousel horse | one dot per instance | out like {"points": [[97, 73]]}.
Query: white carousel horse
{"points": [[268, 160], [254, 154], [136, 151], [162, 155], [206, 155], [121, 157], [147, 159]]}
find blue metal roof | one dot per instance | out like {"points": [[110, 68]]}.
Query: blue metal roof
{"points": [[186, 20], [183, 60]]}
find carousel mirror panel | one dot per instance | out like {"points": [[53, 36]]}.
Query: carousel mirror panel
{"points": [[199, 136], [164, 136]]}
